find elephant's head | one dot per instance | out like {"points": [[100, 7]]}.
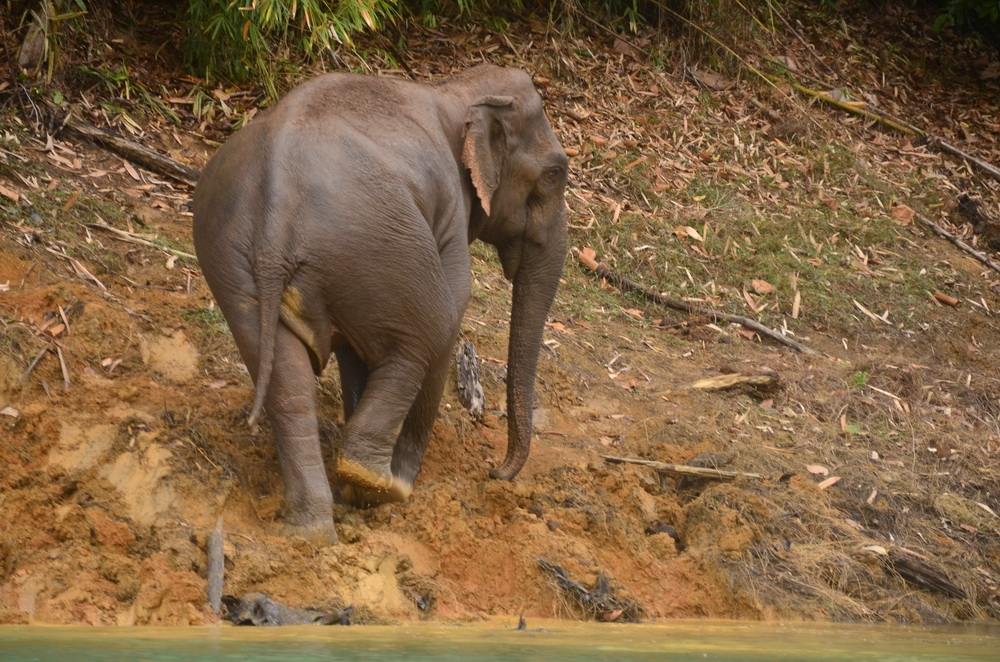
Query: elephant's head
{"points": [[518, 172]]}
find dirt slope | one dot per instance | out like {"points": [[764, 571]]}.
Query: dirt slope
{"points": [[122, 435]]}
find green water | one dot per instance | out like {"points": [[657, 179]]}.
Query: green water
{"points": [[497, 642]]}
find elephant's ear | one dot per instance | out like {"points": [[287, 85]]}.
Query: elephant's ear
{"points": [[485, 146]]}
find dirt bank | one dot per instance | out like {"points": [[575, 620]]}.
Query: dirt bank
{"points": [[122, 434]]}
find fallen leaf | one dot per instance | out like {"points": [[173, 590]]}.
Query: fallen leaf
{"points": [[71, 200], [946, 299], [56, 330], [132, 172], [588, 258], [10, 411], [217, 384], [796, 305], [687, 231], [571, 151], [884, 320], [710, 79], [902, 214], [9, 193], [829, 482], [876, 549], [761, 286], [817, 469], [171, 260], [750, 301], [633, 312]]}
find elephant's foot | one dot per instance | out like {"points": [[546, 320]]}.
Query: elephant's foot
{"points": [[319, 531], [363, 486], [315, 524]]}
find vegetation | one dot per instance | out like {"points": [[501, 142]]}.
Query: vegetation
{"points": [[240, 40]]}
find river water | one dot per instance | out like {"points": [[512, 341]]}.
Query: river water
{"points": [[497, 641]]}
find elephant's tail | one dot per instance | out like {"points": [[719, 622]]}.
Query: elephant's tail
{"points": [[271, 280]]}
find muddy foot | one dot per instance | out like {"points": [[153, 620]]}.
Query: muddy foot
{"points": [[360, 486], [319, 531]]}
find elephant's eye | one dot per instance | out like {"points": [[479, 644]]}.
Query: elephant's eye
{"points": [[553, 176]]}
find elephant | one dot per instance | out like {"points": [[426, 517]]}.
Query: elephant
{"points": [[339, 221]]}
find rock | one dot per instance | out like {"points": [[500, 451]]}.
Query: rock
{"points": [[260, 610]]}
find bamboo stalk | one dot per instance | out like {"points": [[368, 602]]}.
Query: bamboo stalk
{"points": [[683, 469], [122, 235], [900, 125]]}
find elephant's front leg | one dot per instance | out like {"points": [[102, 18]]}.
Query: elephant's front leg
{"points": [[291, 407]]}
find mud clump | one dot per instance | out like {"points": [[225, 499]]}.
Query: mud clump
{"points": [[173, 357]]}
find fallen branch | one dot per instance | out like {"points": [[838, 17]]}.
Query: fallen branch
{"points": [[682, 469], [940, 231], [215, 555], [762, 380], [598, 601], [133, 151], [131, 238], [900, 125], [623, 283]]}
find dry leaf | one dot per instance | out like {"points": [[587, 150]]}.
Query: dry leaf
{"points": [[687, 231], [571, 151], [946, 299], [171, 260], [761, 286], [876, 549], [817, 469], [751, 302], [633, 312], [829, 482], [588, 258], [711, 80], [796, 305], [10, 194], [10, 411], [902, 214], [132, 172], [71, 200]]}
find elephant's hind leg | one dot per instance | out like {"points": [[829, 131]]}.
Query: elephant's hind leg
{"points": [[291, 409]]}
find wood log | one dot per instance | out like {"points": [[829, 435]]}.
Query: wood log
{"points": [[133, 151]]}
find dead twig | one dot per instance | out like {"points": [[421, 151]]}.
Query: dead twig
{"points": [[625, 284], [683, 469], [941, 232], [34, 363], [131, 238], [62, 366], [78, 267]]}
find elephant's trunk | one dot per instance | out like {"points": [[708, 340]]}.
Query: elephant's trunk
{"points": [[535, 281]]}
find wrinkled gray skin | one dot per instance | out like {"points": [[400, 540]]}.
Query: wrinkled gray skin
{"points": [[340, 222]]}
